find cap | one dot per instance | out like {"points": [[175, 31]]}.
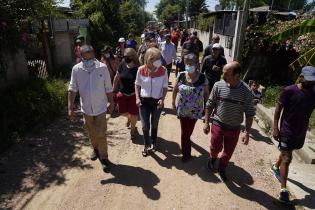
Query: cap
{"points": [[142, 36], [121, 39], [216, 46], [308, 72], [78, 40]]}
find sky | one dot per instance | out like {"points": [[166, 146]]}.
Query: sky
{"points": [[151, 4]]}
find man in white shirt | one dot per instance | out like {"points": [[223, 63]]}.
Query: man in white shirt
{"points": [[92, 80], [168, 51]]}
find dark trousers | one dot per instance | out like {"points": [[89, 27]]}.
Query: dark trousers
{"points": [[187, 126], [223, 139], [169, 69], [149, 115]]}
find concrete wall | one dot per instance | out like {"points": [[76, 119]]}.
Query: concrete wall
{"points": [[16, 68], [63, 50], [203, 36]]}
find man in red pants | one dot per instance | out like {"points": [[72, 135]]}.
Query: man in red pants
{"points": [[230, 98]]}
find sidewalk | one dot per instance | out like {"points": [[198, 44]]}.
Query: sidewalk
{"points": [[301, 175]]}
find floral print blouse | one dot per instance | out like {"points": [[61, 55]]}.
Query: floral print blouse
{"points": [[190, 96]]}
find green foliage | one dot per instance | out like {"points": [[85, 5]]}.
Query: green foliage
{"points": [[293, 32], [175, 9], [204, 23], [170, 12], [111, 19], [284, 4], [29, 106], [132, 20], [272, 95]]}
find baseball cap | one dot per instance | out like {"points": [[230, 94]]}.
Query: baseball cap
{"points": [[142, 36], [121, 39], [216, 46], [308, 72]]}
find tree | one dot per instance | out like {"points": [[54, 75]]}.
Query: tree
{"points": [[280, 4]]}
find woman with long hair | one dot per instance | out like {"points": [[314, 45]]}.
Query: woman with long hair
{"points": [[124, 87]]}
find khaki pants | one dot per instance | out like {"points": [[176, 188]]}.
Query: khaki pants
{"points": [[97, 127]]}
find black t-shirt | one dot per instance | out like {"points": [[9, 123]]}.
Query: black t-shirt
{"points": [[127, 79], [191, 47], [209, 62]]}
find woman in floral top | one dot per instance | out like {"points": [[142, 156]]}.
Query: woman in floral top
{"points": [[190, 92]]}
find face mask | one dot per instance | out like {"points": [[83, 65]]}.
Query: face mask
{"points": [[190, 69], [157, 63], [307, 86], [88, 62], [128, 60], [107, 55]]}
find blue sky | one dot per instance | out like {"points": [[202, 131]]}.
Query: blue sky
{"points": [[151, 4]]}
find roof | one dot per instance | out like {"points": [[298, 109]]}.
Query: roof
{"points": [[211, 13]]}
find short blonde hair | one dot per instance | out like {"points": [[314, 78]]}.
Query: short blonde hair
{"points": [[151, 52]]}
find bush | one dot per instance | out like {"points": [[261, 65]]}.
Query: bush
{"points": [[272, 95], [29, 106]]}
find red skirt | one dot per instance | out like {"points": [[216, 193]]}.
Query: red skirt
{"points": [[127, 104]]}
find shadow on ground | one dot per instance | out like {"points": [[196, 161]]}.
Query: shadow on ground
{"points": [[309, 200], [240, 182], [40, 159], [135, 176], [255, 134]]}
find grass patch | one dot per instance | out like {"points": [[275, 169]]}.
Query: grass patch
{"points": [[272, 95], [28, 106]]}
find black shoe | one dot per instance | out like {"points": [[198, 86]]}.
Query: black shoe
{"points": [[222, 175], [105, 165], [94, 155], [211, 163]]}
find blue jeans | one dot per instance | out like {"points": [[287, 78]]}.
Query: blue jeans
{"points": [[148, 109]]}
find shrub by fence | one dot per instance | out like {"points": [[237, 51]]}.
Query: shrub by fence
{"points": [[29, 106]]}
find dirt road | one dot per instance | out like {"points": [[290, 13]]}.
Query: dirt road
{"points": [[52, 170]]}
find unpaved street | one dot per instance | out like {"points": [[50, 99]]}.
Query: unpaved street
{"points": [[54, 171]]}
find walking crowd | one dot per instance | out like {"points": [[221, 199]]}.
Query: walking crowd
{"points": [[133, 80]]}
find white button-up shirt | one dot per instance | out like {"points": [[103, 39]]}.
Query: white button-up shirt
{"points": [[152, 86], [92, 84], [168, 52]]}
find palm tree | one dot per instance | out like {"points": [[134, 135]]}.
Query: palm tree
{"points": [[307, 58]]}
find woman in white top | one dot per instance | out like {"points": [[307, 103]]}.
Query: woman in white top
{"points": [[151, 88]]}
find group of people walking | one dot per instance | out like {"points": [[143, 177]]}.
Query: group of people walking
{"points": [[136, 80]]}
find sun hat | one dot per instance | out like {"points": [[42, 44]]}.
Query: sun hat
{"points": [[121, 39]]}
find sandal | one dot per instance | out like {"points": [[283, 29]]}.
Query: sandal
{"points": [[145, 152]]}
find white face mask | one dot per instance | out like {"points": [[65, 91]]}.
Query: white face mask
{"points": [[157, 63], [107, 55]]}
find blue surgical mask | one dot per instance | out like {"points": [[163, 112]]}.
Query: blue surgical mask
{"points": [[88, 62], [190, 69]]}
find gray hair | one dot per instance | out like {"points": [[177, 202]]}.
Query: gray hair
{"points": [[86, 48], [191, 57]]}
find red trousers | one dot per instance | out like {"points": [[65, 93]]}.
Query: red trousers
{"points": [[187, 126], [223, 139]]}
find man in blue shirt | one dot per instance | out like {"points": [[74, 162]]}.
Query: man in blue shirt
{"points": [[131, 43], [168, 52]]}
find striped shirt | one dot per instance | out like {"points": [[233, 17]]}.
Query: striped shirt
{"points": [[230, 104]]}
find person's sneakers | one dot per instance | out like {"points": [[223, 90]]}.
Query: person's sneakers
{"points": [[211, 163], [275, 171], [222, 175], [94, 155], [105, 165], [284, 196]]}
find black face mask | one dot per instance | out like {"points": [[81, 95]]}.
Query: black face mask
{"points": [[128, 60], [307, 86]]}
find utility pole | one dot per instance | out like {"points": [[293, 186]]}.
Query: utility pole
{"points": [[242, 31], [187, 9]]}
